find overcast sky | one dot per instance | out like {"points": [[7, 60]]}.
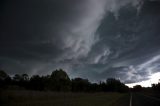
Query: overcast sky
{"points": [[94, 39]]}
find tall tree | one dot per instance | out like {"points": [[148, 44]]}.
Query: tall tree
{"points": [[79, 85], [36, 83], [25, 77], [4, 79], [60, 81], [17, 78]]}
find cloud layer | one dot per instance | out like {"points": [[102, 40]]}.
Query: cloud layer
{"points": [[94, 39]]}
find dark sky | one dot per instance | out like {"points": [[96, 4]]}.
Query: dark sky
{"points": [[94, 39]]}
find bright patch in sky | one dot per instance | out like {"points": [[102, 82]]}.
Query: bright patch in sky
{"points": [[153, 79]]}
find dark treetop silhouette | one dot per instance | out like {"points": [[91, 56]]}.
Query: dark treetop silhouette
{"points": [[59, 81]]}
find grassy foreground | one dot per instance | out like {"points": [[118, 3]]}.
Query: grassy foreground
{"points": [[35, 98]]}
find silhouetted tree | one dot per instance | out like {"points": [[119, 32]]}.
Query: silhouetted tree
{"points": [[156, 87], [137, 88], [59, 81], [36, 83], [79, 85], [24, 81], [46, 80], [17, 78], [94, 87], [25, 77], [115, 85], [103, 86], [3, 75], [4, 79]]}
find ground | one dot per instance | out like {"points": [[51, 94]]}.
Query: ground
{"points": [[37, 98], [141, 99]]}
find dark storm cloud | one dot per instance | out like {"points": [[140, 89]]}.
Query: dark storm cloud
{"points": [[94, 39], [48, 31], [133, 39]]}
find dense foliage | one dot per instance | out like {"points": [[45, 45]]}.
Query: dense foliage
{"points": [[59, 81]]}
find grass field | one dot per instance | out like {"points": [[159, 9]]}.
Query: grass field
{"points": [[35, 98]]}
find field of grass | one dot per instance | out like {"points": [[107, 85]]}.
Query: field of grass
{"points": [[35, 98]]}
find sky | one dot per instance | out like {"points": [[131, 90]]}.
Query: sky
{"points": [[93, 39]]}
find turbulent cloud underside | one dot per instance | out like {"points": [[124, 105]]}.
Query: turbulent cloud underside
{"points": [[94, 39]]}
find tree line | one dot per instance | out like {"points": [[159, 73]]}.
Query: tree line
{"points": [[154, 88], [59, 81]]}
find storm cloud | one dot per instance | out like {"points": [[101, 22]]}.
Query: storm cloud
{"points": [[94, 39]]}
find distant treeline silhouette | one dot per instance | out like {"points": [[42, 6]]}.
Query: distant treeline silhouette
{"points": [[60, 81]]}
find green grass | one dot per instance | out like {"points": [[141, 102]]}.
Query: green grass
{"points": [[35, 98]]}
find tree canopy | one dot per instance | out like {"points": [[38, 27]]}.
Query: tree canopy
{"points": [[60, 81]]}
